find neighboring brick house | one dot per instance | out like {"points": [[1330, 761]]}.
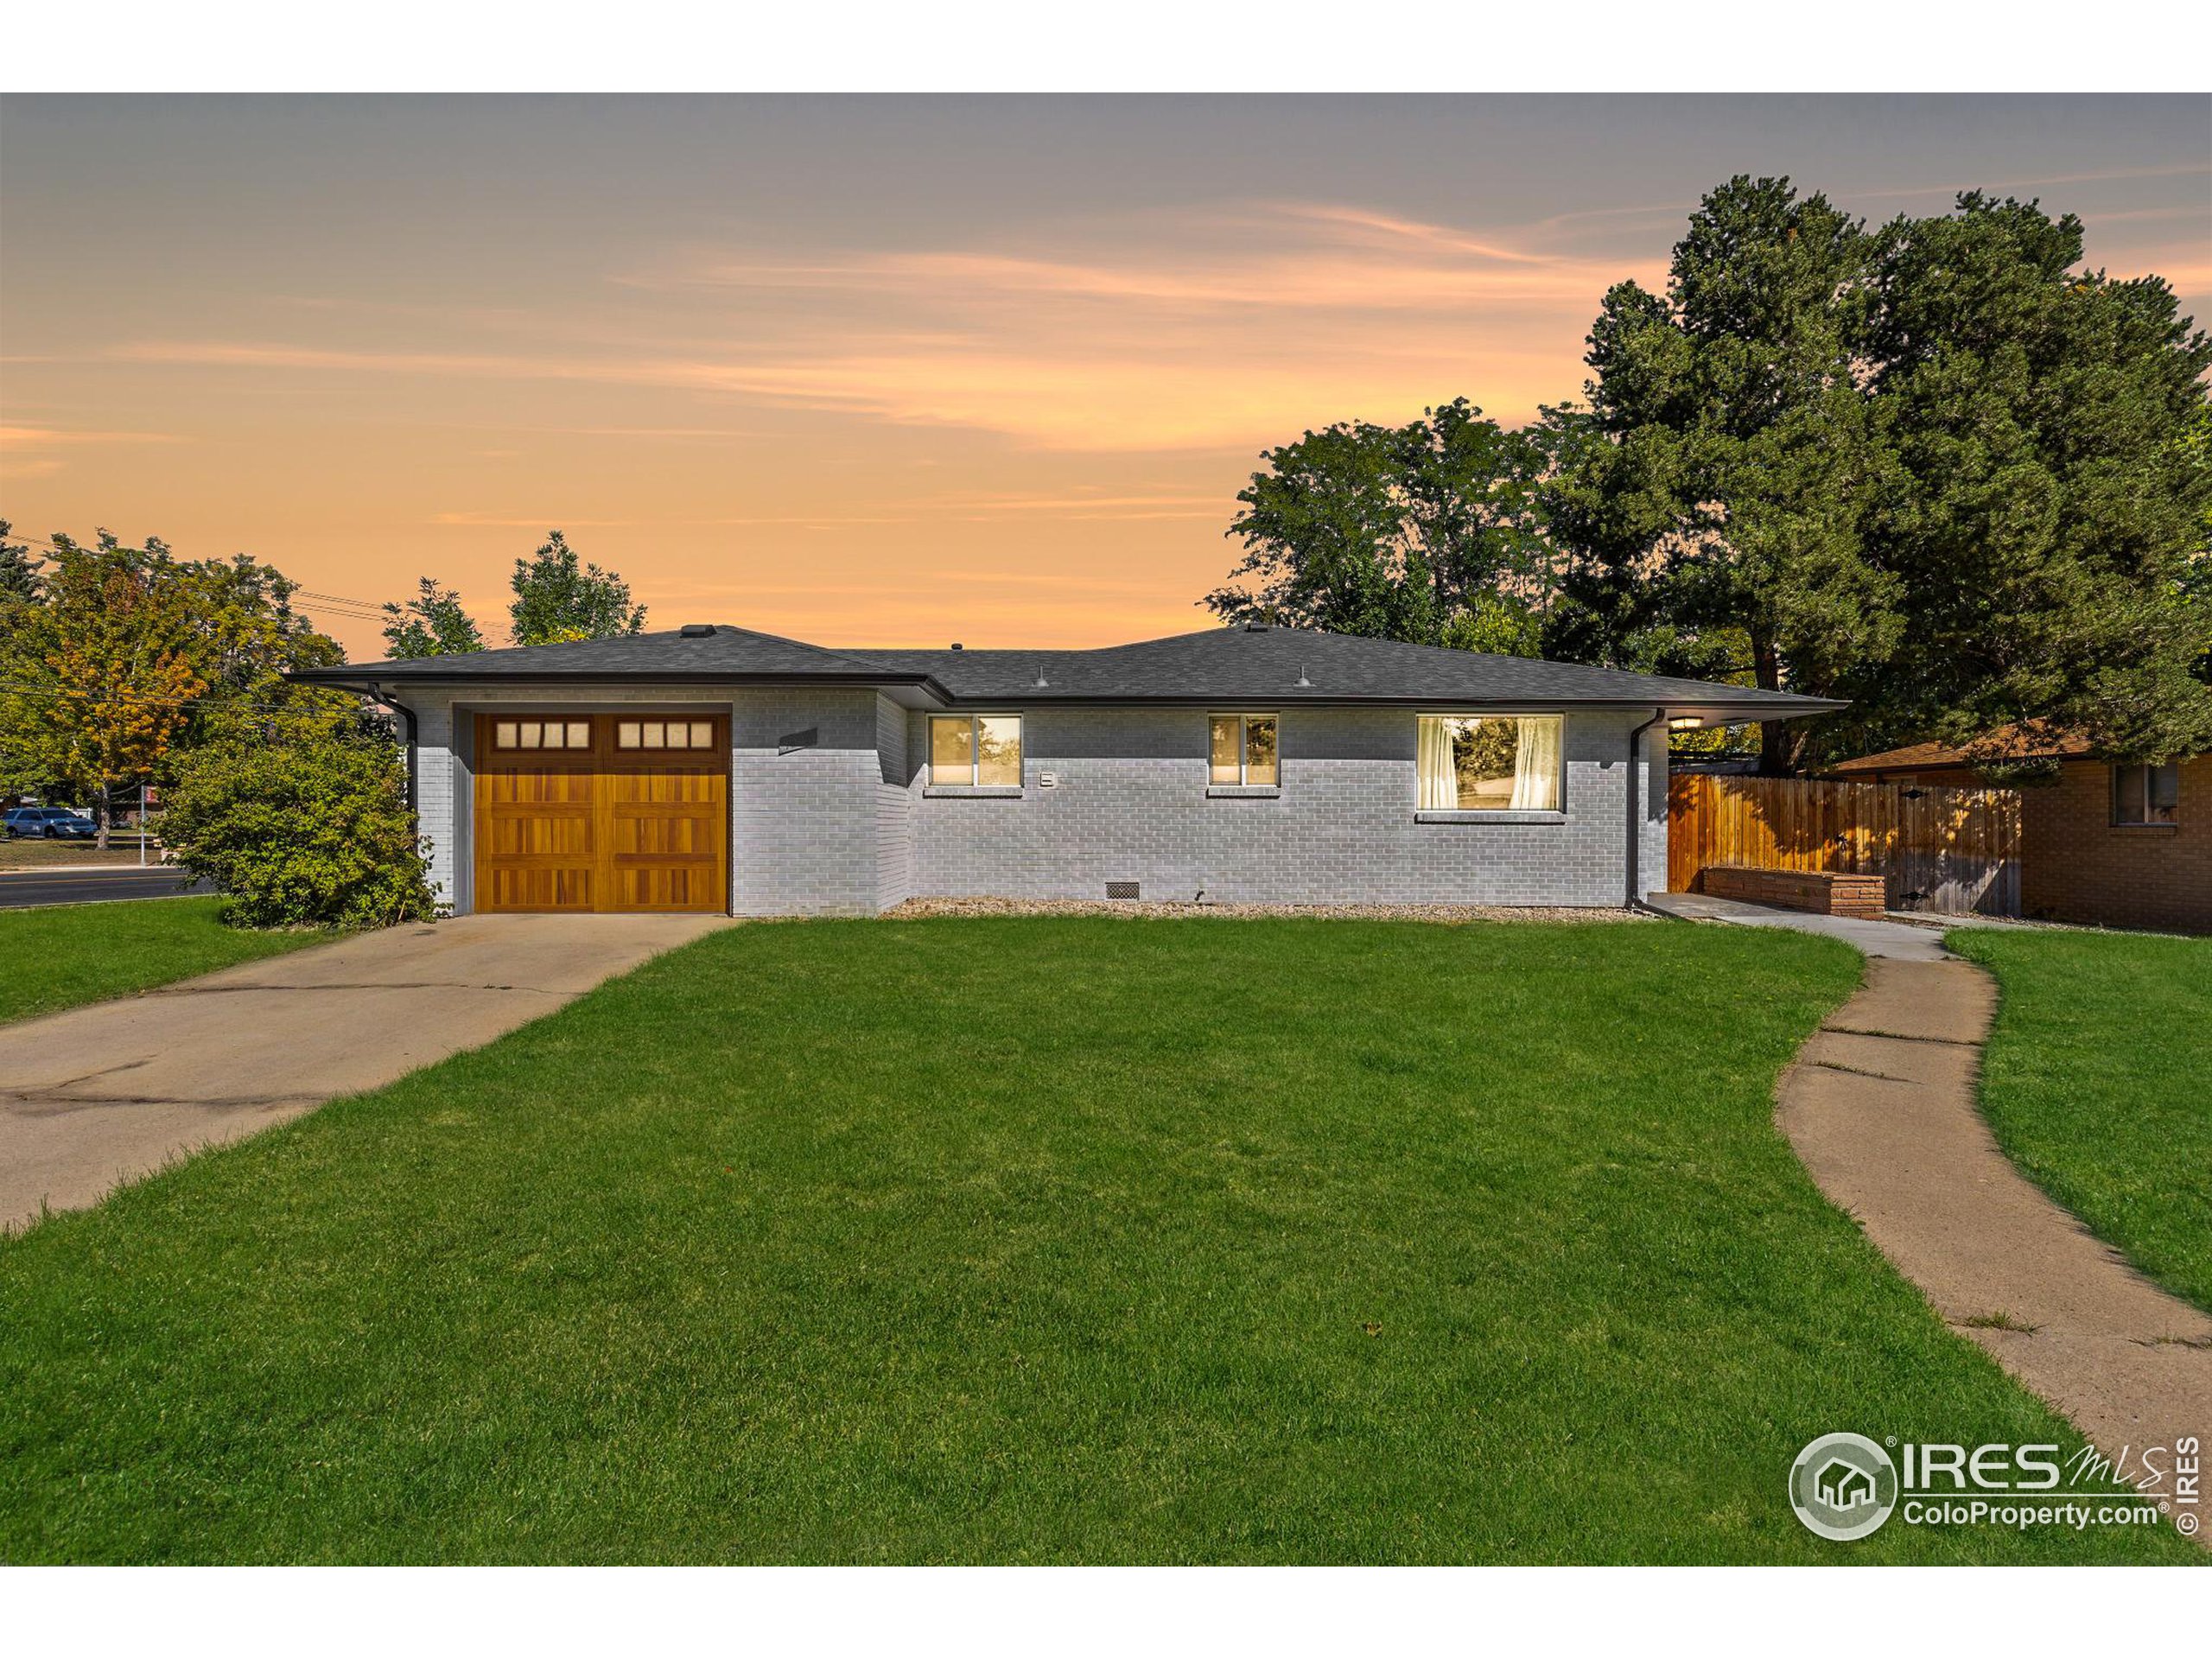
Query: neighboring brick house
{"points": [[2116, 845], [717, 768]]}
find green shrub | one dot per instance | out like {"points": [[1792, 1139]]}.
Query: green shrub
{"points": [[304, 825]]}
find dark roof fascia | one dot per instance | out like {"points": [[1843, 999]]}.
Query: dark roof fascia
{"points": [[1795, 709], [359, 674], [369, 673]]}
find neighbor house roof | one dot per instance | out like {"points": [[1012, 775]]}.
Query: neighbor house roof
{"points": [[2027, 741], [1242, 665]]}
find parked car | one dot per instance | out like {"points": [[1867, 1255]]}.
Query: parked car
{"points": [[50, 823]]}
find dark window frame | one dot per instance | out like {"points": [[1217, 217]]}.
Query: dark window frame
{"points": [[2135, 797], [1245, 720]]}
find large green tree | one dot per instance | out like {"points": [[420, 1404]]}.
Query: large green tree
{"points": [[1726, 472], [1431, 531], [1939, 469], [2049, 538], [432, 624], [558, 599]]}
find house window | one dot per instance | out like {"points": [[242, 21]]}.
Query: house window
{"points": [[1244, 750], [2145, 795], [975, 750], [541, 734], [1491, 763], [663, 734]]}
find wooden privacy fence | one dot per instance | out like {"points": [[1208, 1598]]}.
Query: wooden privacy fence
{"points": [[1953, 851]]}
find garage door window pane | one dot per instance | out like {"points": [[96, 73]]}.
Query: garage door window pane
{"points": [[529, 734], [625, 734], [504, 735], [579, 735], [655, 734], [703, 734]]}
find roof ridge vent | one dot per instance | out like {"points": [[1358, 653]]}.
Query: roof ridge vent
{"points": [[1258, 624], [696, 631]]}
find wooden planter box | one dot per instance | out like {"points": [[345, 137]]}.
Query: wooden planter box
{"points": [[1825, 892]]}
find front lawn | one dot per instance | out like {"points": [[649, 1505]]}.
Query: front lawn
{"points": [[59, 956], [1083, 1240], [2099, 1084]]}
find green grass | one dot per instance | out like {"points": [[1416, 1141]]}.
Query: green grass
{"points": [[2098, 1084], [1017, 1240], [60, 955]]}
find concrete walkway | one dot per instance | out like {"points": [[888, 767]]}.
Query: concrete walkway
{"points": [[1900, 940], [100, 1095], [1879, 1105]]}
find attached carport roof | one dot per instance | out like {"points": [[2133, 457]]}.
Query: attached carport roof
{"points": [[1253, 667]]}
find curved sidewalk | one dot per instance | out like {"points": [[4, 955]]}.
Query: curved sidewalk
{"points": [[1880, 1106]]}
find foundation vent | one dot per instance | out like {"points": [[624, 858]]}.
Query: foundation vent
{"points": [[1121, 889]]}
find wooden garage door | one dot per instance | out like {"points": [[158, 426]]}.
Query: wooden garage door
{"points": [[602, 812]]}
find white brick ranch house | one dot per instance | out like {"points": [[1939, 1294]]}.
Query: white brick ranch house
{"points": [[717, 768]]}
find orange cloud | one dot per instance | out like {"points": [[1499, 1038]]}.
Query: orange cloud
{"points": [[53, 437]]}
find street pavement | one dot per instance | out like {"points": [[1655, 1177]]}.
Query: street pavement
{"points": [[91, 885]]}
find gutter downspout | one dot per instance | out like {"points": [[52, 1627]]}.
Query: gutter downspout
{"points": [[1635, 815], [414, 752], [374, 693]]}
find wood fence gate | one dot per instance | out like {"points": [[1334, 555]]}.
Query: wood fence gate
{"points": [[1953, 851]]}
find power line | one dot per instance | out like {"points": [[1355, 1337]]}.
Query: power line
{"points": [[56, 691]]}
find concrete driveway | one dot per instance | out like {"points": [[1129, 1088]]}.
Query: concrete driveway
{"points": [[100, 1095]]}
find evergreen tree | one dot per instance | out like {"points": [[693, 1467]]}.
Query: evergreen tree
{"points": [[19, 577], [1731, 463], [2048, 537]]}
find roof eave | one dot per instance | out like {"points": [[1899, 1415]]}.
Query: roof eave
{"points": [[1798, 709], [384, 674]]}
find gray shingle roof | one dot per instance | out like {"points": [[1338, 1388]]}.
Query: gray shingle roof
{"points": [[726, 653], [1249, 666]]}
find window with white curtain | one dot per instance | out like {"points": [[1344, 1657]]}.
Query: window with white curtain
{"points": [[1492, 763]]}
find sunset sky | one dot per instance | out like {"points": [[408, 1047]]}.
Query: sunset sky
{"points": [[872, 371]]}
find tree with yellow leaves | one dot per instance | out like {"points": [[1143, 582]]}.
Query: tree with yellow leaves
{"points": [[122, 653]]}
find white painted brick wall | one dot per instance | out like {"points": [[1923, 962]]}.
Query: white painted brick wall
{"points": [[1131, 805], [894, 816], [829, 815]]}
